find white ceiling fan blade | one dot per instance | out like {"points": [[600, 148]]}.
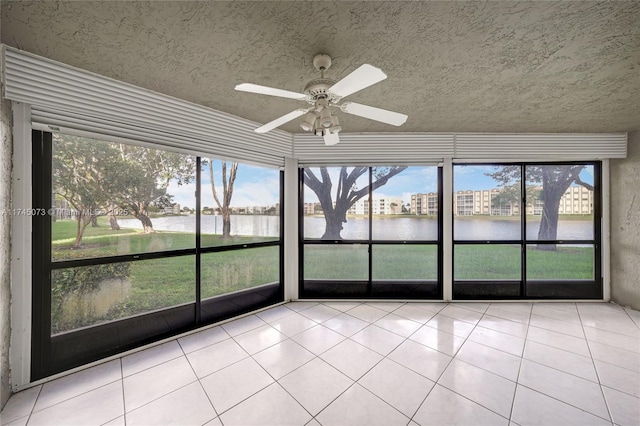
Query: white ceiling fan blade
{"points": [[365, 76], [280, 121], [264, 90], [373, 113], [331, 138]]}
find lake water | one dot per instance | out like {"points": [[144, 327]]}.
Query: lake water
{"points": [[357, 228], [255, 225]]}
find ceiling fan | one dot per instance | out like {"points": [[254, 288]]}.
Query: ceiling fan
{"points": [[324, 94]]}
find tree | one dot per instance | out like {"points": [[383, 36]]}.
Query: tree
{"points": [[85, 174], [227, 193], [555, 180], [335, 211], [148, 173]]}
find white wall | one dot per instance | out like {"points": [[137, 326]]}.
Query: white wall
{"points": [[625, 226], [5, 249]]}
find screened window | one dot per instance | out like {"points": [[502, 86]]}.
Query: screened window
{"points": [[529, 234], [371, 232], [138, 244]]}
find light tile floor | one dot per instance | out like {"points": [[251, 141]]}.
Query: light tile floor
{"points": [[347, 363]]}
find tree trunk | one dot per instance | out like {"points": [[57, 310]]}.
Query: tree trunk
{"points": [[113, 221], [333, 226], [552, 192], [548, 226], [226, 224], [82, 223], [94, 221], [146, 222]]}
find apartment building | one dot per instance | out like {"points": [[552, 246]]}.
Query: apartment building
{"points": [[380, 206], [576, 200]]}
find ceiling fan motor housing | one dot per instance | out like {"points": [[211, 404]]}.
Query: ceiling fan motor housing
{"points": [[318, 89]]}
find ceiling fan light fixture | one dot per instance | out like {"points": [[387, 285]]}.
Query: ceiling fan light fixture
{"points": [[325, 118], [308, 122], [335, 125]]}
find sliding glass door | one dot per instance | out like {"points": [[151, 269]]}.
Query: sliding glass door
{"points": [[134, 244], [370, 232], [526, 231]]}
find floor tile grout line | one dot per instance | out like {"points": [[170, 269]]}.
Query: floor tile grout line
{"points": [[234, 363], [563, 402], [492, 347], [460, 360], [457, 319], [124, 401], [34, 406], [161, 396], [293, 397], [201, 386], [464, 305], [621, 391], [155, 365], [206, 346], [290, 372], [358, 379], [380, 398], [469, 399], [436, 382], [558, 369], [221, 413], [610, 332], [330, 347], [321, 359], [33, 411], [618, 366], [629, 315], [614, 347], [595, 367], [524, 347], [556, 319], [561, 332], [331, 402]]}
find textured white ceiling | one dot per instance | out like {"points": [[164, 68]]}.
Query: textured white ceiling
{"points": [[452, 66]]}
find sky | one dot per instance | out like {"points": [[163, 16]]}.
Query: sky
{"points": [[254, 186], [259, 186]]}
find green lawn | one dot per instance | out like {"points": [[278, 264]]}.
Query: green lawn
{"points": [[479, 262], [160, 283], [152, 284], [102, 241], [502, 262]]}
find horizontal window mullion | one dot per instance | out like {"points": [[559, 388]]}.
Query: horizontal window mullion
{"points": [[230, 247], [484, 242], [529, 242], [121, 258], [404, 242], [486, 281], [335, 241]]}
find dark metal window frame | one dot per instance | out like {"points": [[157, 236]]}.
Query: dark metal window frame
{"points": [[370, 288], [51, 354], [540, 289]]}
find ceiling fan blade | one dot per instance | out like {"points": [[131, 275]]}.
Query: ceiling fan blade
{"points": [[364, 76], [280, 121], [373, 113], [264, 90], [331, 138]]}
